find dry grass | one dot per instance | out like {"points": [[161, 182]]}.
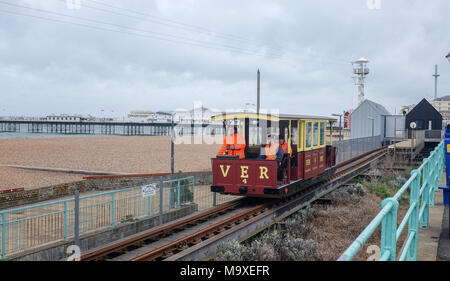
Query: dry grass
{"points": [[336, 226], [321, 232]]}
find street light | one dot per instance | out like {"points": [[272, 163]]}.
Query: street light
{"points": [[340, 126]]}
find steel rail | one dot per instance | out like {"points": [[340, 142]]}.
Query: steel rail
{"points": [[99, 253], [196, 237]]}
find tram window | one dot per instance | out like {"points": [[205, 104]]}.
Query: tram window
{"points": [[315, 133], [294, 133], [308, 135], [255, 133], [235, 123], [286, 133], [322, 133]]}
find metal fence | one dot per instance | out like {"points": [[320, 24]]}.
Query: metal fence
{"points": [[434, 134], [347, 149], [36, 225], [422, 185]]}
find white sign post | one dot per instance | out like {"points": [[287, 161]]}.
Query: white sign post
{"points": [[148, 190]]}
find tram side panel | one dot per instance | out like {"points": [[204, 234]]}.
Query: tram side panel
{"points": [[245, 177]]}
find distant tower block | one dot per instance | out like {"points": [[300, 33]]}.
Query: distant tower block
{"points": [[360, 69]]}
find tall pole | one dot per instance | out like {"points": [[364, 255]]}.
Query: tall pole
{"points": [[77, 218], [340, 128], [172, 136], [258, 101], [436, 75]]}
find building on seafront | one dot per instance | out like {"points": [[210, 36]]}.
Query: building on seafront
{"points": [[198, 115], [147, 116], [442, 105], [64, 118], [368, 120]]}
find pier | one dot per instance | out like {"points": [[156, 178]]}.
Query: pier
{"points": [[107, 128]]}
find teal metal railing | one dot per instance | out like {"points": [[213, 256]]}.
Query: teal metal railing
{"points": [[36, 225], [422, 185]]}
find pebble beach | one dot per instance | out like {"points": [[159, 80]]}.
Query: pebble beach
{"points": [[119, 154]]}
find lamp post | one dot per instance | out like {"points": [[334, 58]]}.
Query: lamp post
{"points": [[448, 58], [340, 124]]}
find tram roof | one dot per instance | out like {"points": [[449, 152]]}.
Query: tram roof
{"points": [[274, 117]]}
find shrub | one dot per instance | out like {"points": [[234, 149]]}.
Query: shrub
{"points": [[272, 246], [186, 195], [348, 194]]}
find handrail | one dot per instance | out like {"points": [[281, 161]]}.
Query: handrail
{"points": [[421, 197]]}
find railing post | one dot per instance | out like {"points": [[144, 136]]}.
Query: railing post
{"points": [[178, 195], [65, 221], [389, 230], [413, 229], [112, 209], [149, 206], [3, 235], [76, 238], [434, 177], [161, 191], [426, 192]]}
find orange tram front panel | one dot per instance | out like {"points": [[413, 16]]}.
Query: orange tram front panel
{"points": [[241, 176]]}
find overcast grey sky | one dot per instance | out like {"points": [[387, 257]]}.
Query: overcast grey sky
{"points": [[303, 48]]}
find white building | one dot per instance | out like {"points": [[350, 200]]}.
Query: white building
{"points": [[368, 119], [147, 116]]}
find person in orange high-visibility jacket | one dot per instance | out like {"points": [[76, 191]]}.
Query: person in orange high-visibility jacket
{"points": [[284, 146], [233, 145], [272, 150]]}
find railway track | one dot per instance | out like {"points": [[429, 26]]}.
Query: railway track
{"points": [[344, 172], [154, 234]]}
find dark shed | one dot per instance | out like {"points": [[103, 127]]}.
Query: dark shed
{"points": [[425, 116]]}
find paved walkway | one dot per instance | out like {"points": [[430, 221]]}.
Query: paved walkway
{"points": [[444, 240], [429, 237]]}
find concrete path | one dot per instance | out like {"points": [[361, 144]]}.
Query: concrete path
{"points": [[429, 237], [444, 240]]}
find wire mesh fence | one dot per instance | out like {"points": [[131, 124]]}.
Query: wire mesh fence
{"points": [[346, 149], [206, 199], [36, 225]]}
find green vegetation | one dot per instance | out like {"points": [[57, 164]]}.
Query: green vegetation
{"points": [[185, 188], [389, 184]]}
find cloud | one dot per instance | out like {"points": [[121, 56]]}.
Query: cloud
{"points": [[303, 49]]}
